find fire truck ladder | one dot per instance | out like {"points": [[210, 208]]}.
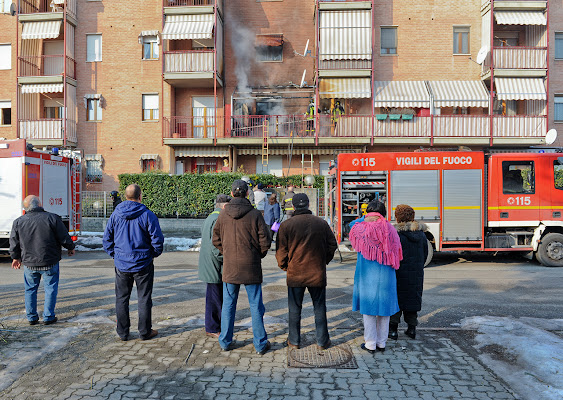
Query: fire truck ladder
{"points": [[77, 195], [265, 148]]}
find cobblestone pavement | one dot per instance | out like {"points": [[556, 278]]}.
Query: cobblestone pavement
{"points": [[82, 358]]}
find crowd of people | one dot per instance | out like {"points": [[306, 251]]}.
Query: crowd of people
{"points": [[236, 236]]}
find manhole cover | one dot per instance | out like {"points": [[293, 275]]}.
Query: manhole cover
{"points": [[311, 357]]}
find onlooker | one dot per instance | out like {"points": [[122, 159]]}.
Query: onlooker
{"points": [[305, 246], [210, 268], [35, 242], [410, 276], [287, 204], [241, 235], [375, 284], [115, 198], [260, 198], [272, 212], [249, 182], [133, 239]]}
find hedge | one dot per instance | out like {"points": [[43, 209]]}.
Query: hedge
{"points": [[193, 195]]}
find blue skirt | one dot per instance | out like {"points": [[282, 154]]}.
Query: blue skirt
{"points": [[375, 288]]}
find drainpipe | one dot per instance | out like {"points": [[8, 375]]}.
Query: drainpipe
{"points": [[491, 125]]}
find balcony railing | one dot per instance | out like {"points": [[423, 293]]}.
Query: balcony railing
{"points": [[519, 126], [189, 61], [520, 57], [202, 127], [42, 129], [44, 6], [345, 126], [344, 64], [188, 3], [46, 66], [274, 125], [477, 126]]}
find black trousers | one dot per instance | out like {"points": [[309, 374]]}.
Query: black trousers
{"points": [[213, 304], [123, 286], [295, 304], [410, 317]]}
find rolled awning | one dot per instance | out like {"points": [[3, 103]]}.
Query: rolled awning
{"points": [[401, 94], [320, 151], [93, 157], [520, 18], [269, 40], [149, 34], [42, 88], [205, 151], [520, 89], [345, 88], [149, 157], [41, 29], [459, 94], [345, 35], [95, 96], [193, 26]]}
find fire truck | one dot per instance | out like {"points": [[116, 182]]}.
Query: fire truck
{"points": [[470, 200], [54, 178]]}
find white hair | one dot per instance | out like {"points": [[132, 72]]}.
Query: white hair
{"points": [[34, 203]]}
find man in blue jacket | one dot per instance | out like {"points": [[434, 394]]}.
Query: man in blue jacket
{"points": [[133, 239]]}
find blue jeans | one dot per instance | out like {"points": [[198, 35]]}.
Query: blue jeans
{"points": [[230, 297], [51, 286]]}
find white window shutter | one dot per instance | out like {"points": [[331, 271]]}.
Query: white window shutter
{"points": [[150, 102], [6, 56]]}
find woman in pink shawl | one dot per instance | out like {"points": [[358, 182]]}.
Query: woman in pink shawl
{"points": [[375, 283]]}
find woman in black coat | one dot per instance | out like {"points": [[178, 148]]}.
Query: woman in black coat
{"points": [[410, 275]]}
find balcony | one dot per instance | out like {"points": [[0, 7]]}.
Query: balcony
{"points": [[190, 68], [43, 132], [516, 4], [276, 126], [178, 7], [46, 7], [345, 65], [46, 66], [199, 129], [344, 4], [517, 62]]}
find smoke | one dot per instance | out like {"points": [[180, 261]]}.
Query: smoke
{"points": [[242, 41]]}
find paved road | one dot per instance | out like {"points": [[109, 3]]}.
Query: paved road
{"points": [[81, 358]]}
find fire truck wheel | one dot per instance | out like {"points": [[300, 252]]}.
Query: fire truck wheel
{"points": [[550, 250], [430, 254]]}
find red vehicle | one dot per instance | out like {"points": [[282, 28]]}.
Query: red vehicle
{"points": [[52, 177], [470, 200]]}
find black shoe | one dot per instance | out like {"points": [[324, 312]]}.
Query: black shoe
{"points": [[265, 349], [51, 321], [124, 338], [381, 349], [326, 346], [393, 334], [152, 334], [34, 322], [411, 332], [228, 348], [363, 347]]}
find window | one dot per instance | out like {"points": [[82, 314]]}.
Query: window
{"points": [[269, 53], [558, 173], [94, 110], [5, 113], [150, 48], [559, 45], [94, 47], [5, 56], [558, 106], [148, 165], [389, 40], [150, 107], [461, 40], [93, 168], [206, 165], [518, 177], [5, 6]]}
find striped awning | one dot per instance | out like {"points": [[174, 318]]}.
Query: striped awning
{"points": [[149, 157], [192, 26], [459, 94], [520, 18], [43, 88], [520, 89], [401, 94], [282, 151], [345, 88], [345, 35], [149, 34], [201, 151], [93, 157], [41, 29]]}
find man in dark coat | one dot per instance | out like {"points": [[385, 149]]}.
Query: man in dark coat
{"points": [[210, 268], [243, 238], [133, 239], [35, 243], [305, 245], [410, 275]]}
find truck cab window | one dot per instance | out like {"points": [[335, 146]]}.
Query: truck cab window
{"points": [[518, 177], [558, 173]]}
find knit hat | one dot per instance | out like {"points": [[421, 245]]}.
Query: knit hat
{"points": [[300, 200], [404, 213], [222, 198]]}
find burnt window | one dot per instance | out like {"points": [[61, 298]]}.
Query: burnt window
{"points": [[518, 177], [269, 47]]}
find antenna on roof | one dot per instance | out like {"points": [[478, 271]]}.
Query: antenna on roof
{"points": [[483, 52]]}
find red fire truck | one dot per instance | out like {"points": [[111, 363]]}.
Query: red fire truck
{"points": [[54, 178], [470, 200]]}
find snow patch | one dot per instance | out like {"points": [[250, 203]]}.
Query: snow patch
{"points": [[93, 241], [100, 316], [537, 370]]}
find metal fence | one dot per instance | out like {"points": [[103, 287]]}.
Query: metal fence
{"points": [[96, 204]]}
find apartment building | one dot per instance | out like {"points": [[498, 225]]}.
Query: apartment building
{"points": [[276, 86]]}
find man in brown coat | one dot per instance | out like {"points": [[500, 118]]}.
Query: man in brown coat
{"points": [[243, 238], [305, 245]]}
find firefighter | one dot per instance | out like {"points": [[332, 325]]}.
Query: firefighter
{"points": [[336, 114], [115, 198], [310, 131], [287, 202]]}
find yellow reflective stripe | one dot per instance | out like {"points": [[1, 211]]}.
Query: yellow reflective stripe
{"points": [[288, 199], [289, 209], [525, 207], [215, 212], [423, 208], [463, 208]]}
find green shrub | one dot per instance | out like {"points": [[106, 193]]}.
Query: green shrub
{"points": [[193, 195]]}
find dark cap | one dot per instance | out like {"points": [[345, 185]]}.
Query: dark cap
{"points": [[239, 185], [260, 186], [222, 198], [300, 200]]}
